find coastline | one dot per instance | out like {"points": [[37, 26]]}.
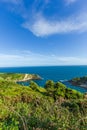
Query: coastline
{"points": [[79, 82], [56, 73], [19, 77], [29, 77]]}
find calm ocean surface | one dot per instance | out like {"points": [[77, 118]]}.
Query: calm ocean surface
{"points": [[56, 73]]}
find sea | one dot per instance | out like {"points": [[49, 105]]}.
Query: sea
{"points": [[55, 73]]}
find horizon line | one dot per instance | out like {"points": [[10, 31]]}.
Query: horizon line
{"points": [[40, 66]]}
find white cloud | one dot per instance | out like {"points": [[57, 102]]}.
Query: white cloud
{"points": [[32, 59], [43, 27]]}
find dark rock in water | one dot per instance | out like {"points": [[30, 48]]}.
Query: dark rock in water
{"points": [[79, 81]]}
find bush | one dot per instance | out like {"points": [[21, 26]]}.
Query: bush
{"points": [[33, 85], [26, 108]]}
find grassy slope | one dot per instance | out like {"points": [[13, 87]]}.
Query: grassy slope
{"points": [[30, 108], [17, 76]]}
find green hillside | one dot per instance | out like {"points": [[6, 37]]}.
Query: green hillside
{"points": [[54, 107], [18, 77]]}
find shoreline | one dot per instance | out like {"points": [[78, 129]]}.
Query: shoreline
{"points": [[32, 77], [19, 77], [82, 85]]}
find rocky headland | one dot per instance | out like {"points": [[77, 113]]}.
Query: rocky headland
{"points": [[79, 81], [19, 77]]}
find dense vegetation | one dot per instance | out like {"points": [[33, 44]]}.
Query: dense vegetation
{"points": [[54, 107]]}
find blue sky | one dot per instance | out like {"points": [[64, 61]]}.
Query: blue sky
{"points": [[43, 32]]}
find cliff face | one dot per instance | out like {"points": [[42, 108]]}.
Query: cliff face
{"points": [[28, 77]]}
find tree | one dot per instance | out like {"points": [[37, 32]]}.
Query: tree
{"points": [[33, 85], [49, 86]]}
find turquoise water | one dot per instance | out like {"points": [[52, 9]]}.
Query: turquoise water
{"points": [[56, 73]]}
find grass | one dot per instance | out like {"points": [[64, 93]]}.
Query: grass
{"points": [[34, 108]]}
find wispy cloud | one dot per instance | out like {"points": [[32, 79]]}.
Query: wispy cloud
{"points": [[70, 1], [11, 1], [43, 27], [26, 58]]}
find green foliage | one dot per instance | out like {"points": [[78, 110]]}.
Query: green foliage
{"points": [[11, 76], [58, 89], [49, 84], [73, 94], [54, 107], [18, 77], [33, 85]]}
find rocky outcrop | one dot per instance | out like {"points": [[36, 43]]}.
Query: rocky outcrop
{"points": [[28, 77], [19, 77], [79, 81]]}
